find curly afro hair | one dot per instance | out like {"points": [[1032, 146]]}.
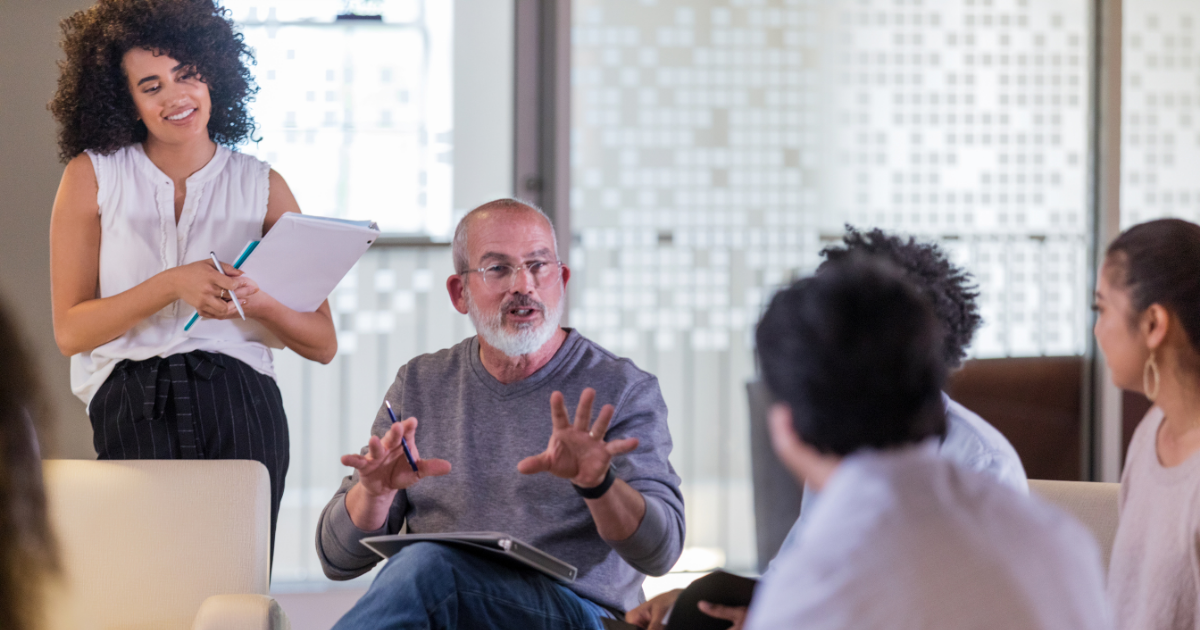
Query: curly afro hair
{"points": [[856, 352], [93, 106], [951, 290]]}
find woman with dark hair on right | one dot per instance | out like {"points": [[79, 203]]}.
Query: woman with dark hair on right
{"points": [[901, 538], [28, 560], [1148, 325]]}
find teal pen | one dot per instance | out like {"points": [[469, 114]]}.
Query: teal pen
{"points": [[403, 442]]}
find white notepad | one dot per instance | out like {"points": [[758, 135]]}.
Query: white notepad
{"points": [[299, 262]]}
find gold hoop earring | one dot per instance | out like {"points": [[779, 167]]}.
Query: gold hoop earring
{"points": [[1151, 367]]}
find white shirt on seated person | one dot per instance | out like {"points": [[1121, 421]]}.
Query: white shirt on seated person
{"points": [[903, 538], [970, 442]]}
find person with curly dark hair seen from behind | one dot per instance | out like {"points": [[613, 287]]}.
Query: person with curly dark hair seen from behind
{"points": [[152, 96], [969, 441], [902, 537], [1148, 326]]}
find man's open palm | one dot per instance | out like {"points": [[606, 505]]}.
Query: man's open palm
{"points": [[578, 451]]}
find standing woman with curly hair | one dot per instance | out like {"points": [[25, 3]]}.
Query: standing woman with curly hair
{"points": [[152, 95]]}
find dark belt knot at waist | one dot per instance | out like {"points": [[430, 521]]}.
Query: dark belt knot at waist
{"points": [[147, 385]]}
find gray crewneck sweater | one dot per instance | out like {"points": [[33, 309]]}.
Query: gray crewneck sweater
{"points": [[483, 428]]}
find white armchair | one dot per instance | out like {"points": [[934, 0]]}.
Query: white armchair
{"points": [[1093, 503], [169, 545]]}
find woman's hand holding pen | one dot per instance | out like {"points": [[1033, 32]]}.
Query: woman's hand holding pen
{"points": [[207, 290], [302, 332], [261, 306]]}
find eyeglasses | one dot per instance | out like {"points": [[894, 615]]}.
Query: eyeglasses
{"points": [[504, 277]]}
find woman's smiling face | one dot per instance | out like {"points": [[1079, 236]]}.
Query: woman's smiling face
{"points": [[171, 99]]}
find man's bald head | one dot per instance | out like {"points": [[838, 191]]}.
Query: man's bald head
{"points": [[462, 260]]}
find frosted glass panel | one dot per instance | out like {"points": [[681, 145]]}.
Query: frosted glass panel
{"points": [[718, 145], [1160, 111]]}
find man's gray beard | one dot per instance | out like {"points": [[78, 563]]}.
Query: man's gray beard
{"points": [[526, 340]]}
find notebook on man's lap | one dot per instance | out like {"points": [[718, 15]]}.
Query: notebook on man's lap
{"points": [[492, 544]]}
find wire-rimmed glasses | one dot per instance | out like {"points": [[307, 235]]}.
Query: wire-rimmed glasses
{"points": [[503, 277]]}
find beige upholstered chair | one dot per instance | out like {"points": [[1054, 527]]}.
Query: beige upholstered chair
{"points": [[1093, 503], [168, 545]]}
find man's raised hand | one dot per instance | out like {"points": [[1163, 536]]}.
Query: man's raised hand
{"points": [[576, 451], [384, 470]]}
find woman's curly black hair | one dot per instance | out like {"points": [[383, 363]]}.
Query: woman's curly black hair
{"points": [[93, 106], [950, 289]]}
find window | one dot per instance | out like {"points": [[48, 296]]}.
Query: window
{"points": [[716, 147], [719, 145], [369, 119], [358, 114], [1160, 111]]}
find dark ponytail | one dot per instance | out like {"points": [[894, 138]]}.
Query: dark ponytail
{"points": [[1159, 263]]}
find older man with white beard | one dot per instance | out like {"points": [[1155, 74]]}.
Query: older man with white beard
{"points": [[600, 494]]}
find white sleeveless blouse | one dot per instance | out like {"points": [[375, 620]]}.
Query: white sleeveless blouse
{"points": [[224, 209]]}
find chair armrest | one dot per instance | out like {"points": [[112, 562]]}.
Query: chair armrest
{"points": [[241, 612]]}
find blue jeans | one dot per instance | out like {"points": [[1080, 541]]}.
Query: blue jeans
{"points": [[430, 585]]}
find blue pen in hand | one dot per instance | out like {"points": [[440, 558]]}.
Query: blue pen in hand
{"points": [[403, 442]]}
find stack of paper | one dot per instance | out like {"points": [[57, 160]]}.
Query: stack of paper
{"points": [[299, 262]]}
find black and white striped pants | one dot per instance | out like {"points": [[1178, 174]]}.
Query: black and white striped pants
{"points": [[199, 405]]}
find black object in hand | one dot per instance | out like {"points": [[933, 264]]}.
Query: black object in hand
{"points": [[717, 587]]}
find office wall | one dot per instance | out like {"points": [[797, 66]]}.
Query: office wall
{"points": [[29, 174]]}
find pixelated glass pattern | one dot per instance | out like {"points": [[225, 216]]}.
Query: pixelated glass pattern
{"points": [[718, 145], [1160, 111]]}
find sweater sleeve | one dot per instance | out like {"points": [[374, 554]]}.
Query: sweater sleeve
{"points": [[342, 555], [658, 541]]}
